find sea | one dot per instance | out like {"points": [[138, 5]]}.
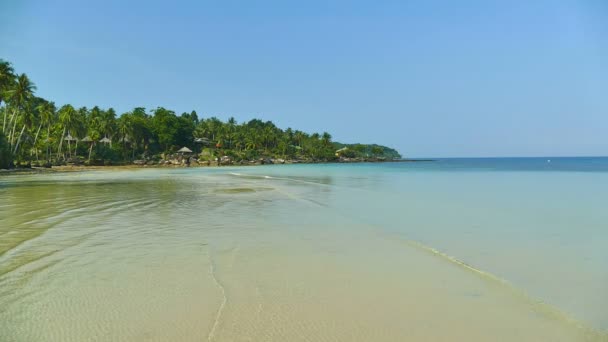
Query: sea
{"points": [[460, 249]]}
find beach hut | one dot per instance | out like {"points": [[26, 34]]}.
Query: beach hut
{"points": [[69, 138], [341, 151], [203, 141], [185, 151]]}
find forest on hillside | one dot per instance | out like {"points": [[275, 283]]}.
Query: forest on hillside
{"points": [[35, 131]]}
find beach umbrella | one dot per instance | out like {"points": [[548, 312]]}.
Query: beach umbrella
{"points": [[87, 139], [184, 150], [105, 140]]}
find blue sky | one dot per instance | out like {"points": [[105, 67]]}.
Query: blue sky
{"points": [[431, 78]]}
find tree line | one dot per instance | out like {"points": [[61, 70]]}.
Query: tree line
{"points": [[36, 131]]}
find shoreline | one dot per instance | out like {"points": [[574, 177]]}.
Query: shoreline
{"points": [[83, 168]]}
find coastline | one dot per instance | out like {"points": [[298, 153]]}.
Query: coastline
{"points": [[84, 168]]}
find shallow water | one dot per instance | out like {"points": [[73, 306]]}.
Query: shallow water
{"points": [[385, 252]]}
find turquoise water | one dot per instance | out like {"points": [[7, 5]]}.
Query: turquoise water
{"points": [[456, 249], [541, 224]]}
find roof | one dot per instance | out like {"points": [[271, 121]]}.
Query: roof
{"points": [[87, 139], [184, 150], [105, 140], [202, 140], [69, 137]]}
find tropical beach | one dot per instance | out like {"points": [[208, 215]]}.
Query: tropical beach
{"points": [[302, 252], [314, 171]]}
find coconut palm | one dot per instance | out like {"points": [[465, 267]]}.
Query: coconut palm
{"points": [[18, 97], [299, 136], [28, 117], [108, 123], [7, 79], [68, 121], [46, 110], [125, 129], [326, 139]]}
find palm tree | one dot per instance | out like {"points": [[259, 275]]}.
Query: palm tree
{"points": [[7, 78], [299, 136], [80, 128], [125, 130], [251, 142], [28, 116], [230, 130], [326, 139], [67, 120], [46, 111], [18, 97], [108, 123], [94, 127], [269, 137]]}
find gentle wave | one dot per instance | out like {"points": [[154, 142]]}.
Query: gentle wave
{"points": [[537, 304]]}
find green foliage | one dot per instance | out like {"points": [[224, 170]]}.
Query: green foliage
{"points": [[367, 151], [5, 153], [34, 130]]}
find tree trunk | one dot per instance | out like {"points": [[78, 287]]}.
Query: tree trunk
{"points": [[10, 122], [48, 138], [19, 140], [90, 150], [60, 143], [4, 122], [36, 139], [12, 137]]}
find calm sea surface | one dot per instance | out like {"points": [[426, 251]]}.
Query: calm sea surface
{"points": [[457, 249]]}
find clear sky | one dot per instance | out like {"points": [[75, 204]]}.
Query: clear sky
{"points": [[431, 78]]}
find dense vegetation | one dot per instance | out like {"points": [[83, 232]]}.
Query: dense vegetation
{"points": [[366, 150], [35, 131]]}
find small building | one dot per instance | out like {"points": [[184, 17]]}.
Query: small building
{"points": [[341, 151]]}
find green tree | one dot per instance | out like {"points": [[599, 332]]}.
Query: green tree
{"points": [[5, 153], [165, 126], [7, 79], [19, 96], [67, 121], [46, 111]]}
